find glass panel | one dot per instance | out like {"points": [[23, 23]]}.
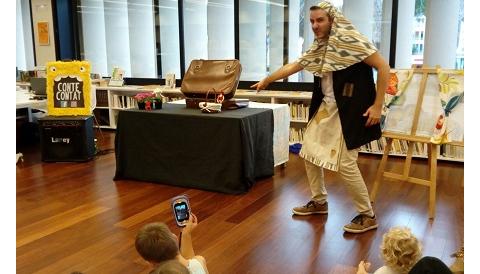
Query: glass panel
{"points": [[208, 30]]}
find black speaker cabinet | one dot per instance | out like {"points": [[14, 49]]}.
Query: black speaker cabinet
{"points": [[67, 138]]}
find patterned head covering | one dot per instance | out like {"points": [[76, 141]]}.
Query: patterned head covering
{"points": [[344, 47]]}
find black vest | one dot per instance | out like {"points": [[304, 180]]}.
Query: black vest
{"points": [[354, 91]]}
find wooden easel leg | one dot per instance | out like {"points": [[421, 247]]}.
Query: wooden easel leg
{"points": [[432, 160], [381, 168], [408, 161]]}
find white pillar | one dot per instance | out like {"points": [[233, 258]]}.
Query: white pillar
{"points": [[21, 60], [275, 57], [221, 30], [169, 38], [24, 36], [405, 32], [195, 31], [294, 40], [117, 36], [93, 32], [386, 31], [360, 13], [253, 34], [142, 38], [308, 36], [42, 12], [441, 33]]}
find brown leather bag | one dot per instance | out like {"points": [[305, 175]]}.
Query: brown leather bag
{"points": [[216, 76]]}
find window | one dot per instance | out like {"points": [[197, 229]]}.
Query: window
{"points": [[143, 36], [118, 34]]}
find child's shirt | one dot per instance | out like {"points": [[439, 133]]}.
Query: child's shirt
{"points": [[195, 267], [385, 270]]}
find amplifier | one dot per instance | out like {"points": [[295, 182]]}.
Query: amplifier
{"points": [[67, 138]]}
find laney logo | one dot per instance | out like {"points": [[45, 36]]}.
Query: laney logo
{"points": [[60, 140]]}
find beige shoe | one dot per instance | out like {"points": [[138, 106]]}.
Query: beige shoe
{"points": [[361, 223], [310, 208]]}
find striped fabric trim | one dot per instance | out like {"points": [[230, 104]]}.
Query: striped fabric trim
{"points": [[321, 163]]}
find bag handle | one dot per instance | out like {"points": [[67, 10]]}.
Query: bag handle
{"points": [[218, 99], [229, 65]]}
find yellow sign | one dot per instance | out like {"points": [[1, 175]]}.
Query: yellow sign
{"points": [[68, 88]]}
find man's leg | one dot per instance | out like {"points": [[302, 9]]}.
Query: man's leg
{"points": [[318, 203], [316, 180], [357, 190]]}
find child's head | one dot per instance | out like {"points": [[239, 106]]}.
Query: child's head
{"points": [[171, 267], [156, 243], [400, 249]]}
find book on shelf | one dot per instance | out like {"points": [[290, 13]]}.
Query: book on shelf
{"points": [[102, 98], [122, 101]]}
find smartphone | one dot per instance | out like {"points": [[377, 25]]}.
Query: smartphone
{"points": [[181, 210]]}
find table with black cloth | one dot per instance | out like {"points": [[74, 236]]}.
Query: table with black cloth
{"points": [[224, 152]]}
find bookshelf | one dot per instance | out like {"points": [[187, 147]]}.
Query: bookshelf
{"points": [[110, 100], [298, 102]]}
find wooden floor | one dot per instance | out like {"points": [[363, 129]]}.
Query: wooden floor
{"points": [[74, 217]]}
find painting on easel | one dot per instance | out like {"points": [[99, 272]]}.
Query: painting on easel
{"points": [[440, 116]]}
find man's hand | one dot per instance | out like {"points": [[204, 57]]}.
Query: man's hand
{"points": [[263, 84], [373, 113], [280, 73], [191, 224], [363, 267]]}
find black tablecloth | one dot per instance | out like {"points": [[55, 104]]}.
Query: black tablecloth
{"points": [[223, 152]]}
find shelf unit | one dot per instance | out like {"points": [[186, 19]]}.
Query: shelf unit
{"points": [[296, 100], [111, 100], [107, 111]]}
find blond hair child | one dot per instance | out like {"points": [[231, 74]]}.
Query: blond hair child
{"points": [[400, 250]]}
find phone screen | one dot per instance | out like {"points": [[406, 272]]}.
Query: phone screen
{"points": [[181, 211]]}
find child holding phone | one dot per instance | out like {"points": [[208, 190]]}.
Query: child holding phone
{"points": [[156, 243]]}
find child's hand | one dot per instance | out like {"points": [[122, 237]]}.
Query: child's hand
{"points": [[363, 267], [191, 224]]}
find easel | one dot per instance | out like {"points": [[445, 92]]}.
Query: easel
{"points": [[431, 182]]}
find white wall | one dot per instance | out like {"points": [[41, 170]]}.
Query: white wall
{"points": [[24, 52], [42, 12]]}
